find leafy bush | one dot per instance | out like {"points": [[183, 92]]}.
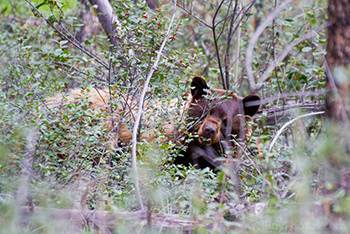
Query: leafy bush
{"points": [[77, 162]]}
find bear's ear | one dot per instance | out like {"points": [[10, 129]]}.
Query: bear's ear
{"points": [[198, 87], [251, 104]]}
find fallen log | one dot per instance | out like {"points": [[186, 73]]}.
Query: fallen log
{"points": [[101, 221]]}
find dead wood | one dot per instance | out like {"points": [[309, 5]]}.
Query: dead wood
{"points": [[281, 114], [74, 220], [106, 221]]}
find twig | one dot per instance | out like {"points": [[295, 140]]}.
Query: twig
{"points": [[216, 44], [228, 45], [247, 155], [293, 94], [140, 108], [193, 16], [288, 123], [71, 67], [237, 48], [229, 38]]}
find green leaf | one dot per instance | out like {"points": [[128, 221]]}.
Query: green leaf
{"points": [[322, 41], [310, 15], [306, 49], [87, 42], [60, 5], [289, 19], [214, 70], [63, 42], [52, 19]]}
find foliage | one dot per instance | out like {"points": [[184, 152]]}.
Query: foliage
{"points": [[77, 162]]}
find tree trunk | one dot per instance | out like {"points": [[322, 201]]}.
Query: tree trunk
{"points": [[337, 167], [108, 20], [338, 59]]}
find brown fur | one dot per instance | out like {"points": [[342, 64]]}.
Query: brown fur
{"points": [[218, 115], [214, 115], [100, 99], [223, 113]]}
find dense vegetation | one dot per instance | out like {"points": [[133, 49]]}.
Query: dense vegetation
{"points": [[289, 169]]}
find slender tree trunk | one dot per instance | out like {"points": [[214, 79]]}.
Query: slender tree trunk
{"points": [[107, 18]]}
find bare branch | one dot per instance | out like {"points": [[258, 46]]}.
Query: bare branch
{"points": [[140, 108], [293, 94], [289, 123], [216, 44], [237, 49], [193, 16], [68, 67], [230, 35], [228, 47]]}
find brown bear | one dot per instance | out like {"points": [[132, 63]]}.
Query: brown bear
{"points": [[215, 116]]}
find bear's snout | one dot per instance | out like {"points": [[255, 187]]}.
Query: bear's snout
{"points": [[209, 130]]}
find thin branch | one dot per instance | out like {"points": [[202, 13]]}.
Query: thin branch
{"points": [[293, 94], [247, 155], [68, 67], [230, 35], [289, 123], [227, 17], [228, 47], [290, 108], [193, 16], [238, 46], [274, 54], [216, 44], [280, 115], [140, 108]]}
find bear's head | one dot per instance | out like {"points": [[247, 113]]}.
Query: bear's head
{"points": [[217, 114]]}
